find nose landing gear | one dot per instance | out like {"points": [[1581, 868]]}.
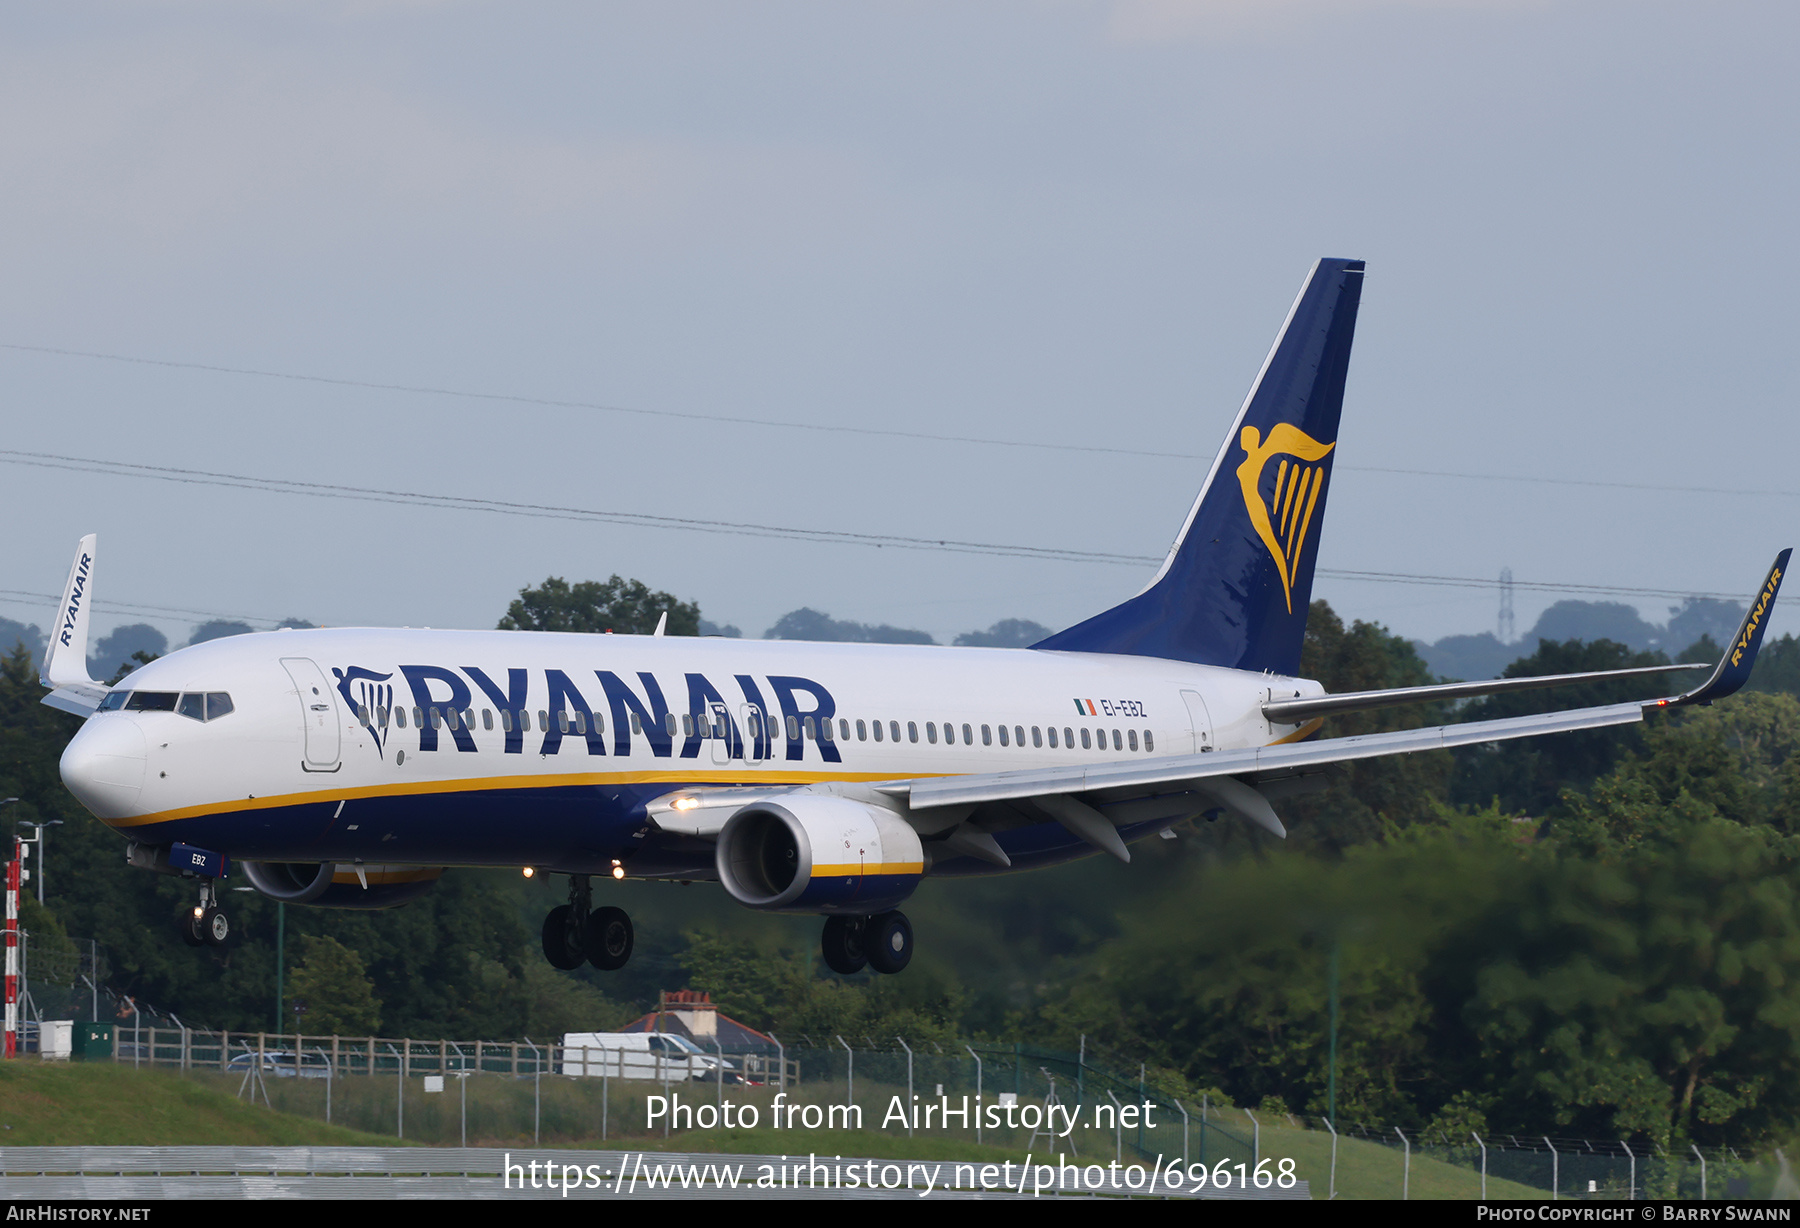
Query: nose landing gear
{"points": [[578, 931], [205, 924], [883, 942]]}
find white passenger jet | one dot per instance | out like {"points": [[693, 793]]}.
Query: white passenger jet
{"points": [[348, 767]]}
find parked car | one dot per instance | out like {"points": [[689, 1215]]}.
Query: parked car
{"points": [[282, 1065], [656, 1056]]}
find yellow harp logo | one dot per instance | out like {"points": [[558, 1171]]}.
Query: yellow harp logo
{"points": [[1282, 522]]}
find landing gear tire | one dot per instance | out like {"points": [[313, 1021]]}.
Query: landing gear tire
{"points": [[888, 939], [562, 939], [844, 945], [204, 925], [608, 939], [213, 926]]}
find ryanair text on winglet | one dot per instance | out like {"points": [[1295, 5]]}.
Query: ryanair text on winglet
{"points": [[75, 595], [1756, 615]]}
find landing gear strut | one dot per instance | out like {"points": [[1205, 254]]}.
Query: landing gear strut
{"points": [[577, 932], [205, 924], [883, 942]]}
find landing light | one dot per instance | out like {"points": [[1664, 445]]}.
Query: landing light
{"points": [[618, 869], [686, 803], [530, 872]]}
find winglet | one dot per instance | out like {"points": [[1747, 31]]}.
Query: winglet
{"points": [[65, 661], [1740, 654]]}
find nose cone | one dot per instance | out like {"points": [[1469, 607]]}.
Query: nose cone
{"points": [[104, 766]]}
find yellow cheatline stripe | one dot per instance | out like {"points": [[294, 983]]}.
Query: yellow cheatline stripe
{"points": [[427, 788], [855, 870], [484, 783], [1305, 731]]}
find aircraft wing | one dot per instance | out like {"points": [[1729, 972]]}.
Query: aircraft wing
{"points": [[1204, 772], [81, 699], [1229, 779], [1092, 799]]}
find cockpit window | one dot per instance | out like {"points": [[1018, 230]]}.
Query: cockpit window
{"points": [[151, 701], [195, 705]]}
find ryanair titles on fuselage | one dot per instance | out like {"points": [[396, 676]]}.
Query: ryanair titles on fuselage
{"points": [[443, 700]]}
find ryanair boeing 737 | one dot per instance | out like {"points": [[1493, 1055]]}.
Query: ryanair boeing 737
{"points": [[347, 768]]}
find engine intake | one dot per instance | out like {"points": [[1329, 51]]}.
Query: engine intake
{"points": [[818, 854], [325, 884]]}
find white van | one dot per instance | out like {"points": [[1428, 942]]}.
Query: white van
{"points": [[657, 1056]]}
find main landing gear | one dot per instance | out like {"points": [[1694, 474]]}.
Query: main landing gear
{"points": [[883, 942], [204, 924], [578, 931]]}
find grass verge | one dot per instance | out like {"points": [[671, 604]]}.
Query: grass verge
{"points": [[46, 1104]]}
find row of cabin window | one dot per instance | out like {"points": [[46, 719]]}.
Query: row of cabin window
{"points": [[1015, 737], [708, 727], [566, 722], [449, 717]]}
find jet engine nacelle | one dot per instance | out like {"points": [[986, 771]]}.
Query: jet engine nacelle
{"points": [[818, 854], [325, 884]]}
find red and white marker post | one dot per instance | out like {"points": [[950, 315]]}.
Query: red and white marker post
{"points": [[12, 950]]}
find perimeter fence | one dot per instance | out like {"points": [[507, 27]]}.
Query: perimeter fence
{"points": [[1593, 1169], [804, 1091], [451, 1092]]}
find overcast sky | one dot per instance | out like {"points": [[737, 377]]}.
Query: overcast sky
{"points": [[1067, 222]]}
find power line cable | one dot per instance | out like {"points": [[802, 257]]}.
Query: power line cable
{"points": [[17, 596], [551, 402], [843, 429], [1541, 586], [201, 477]]}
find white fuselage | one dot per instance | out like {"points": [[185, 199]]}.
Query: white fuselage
{"points": [[525, 748]]}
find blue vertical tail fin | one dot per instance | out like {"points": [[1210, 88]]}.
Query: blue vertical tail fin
{"points": [[1235, 587]]}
